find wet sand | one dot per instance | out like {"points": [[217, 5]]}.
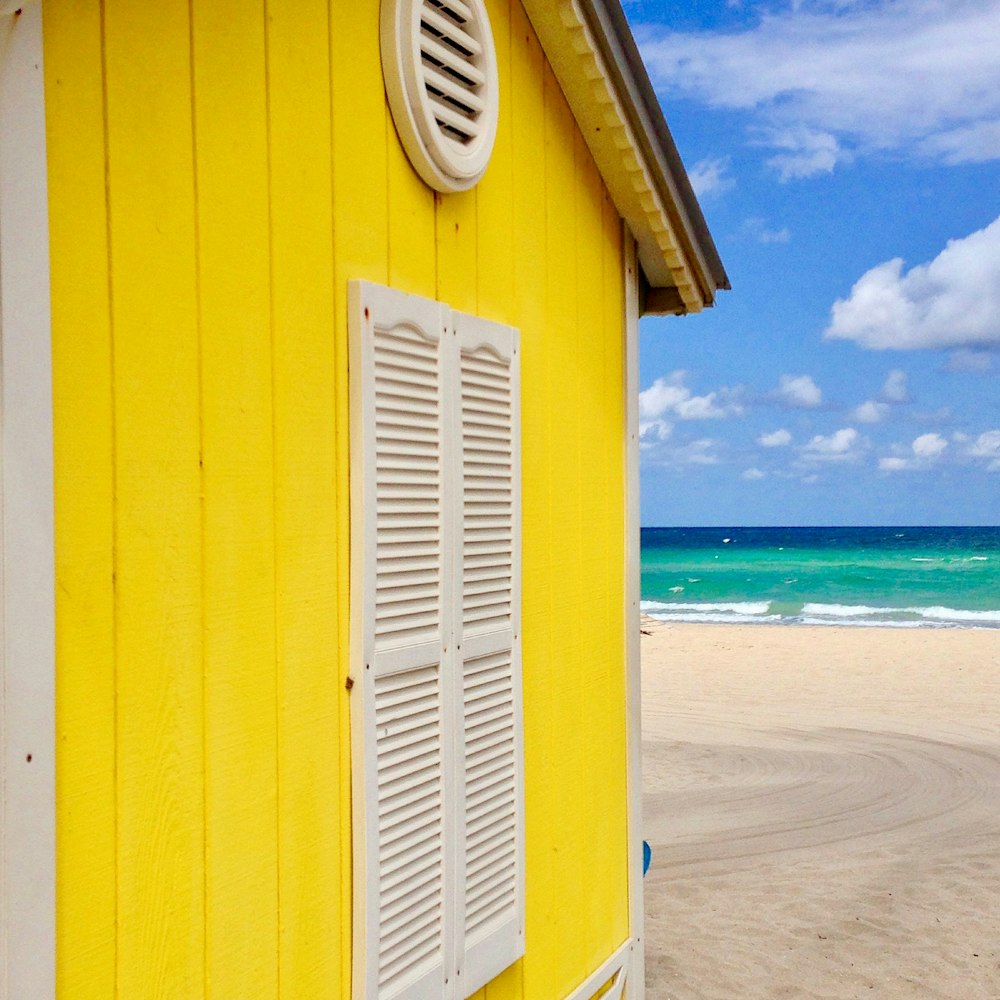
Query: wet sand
{"points": [[823, 806]]}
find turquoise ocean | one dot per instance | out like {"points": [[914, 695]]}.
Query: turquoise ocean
{"points": [[907, 577]]}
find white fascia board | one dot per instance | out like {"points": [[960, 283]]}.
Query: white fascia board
{"points": [[673, 243], [27, 629]]}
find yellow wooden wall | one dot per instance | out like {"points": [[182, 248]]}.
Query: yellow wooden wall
{"points": [[218, 171]]}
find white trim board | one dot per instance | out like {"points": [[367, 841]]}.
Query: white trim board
{"points": [[633, 666], [617, 969], [27, 619]]}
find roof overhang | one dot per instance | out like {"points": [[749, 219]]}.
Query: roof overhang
{"points": [[594, 56]]}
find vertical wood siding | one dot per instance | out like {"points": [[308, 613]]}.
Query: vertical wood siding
{"points": [[219, 170]]}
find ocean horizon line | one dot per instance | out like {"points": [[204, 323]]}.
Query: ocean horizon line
{"points": [[824, 525]]}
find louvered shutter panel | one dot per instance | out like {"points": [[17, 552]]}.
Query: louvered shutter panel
{"points": [[401, 618], [436, 707], [487, 618]]}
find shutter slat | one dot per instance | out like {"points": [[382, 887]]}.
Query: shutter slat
{"points": [[494, 854], [450, 30], [467, 127], [455, 8], [501, 903], [449, 87], [445, 56], [499, 813]]}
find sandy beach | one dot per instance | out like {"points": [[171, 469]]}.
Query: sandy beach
{"points": [[823, 806]]}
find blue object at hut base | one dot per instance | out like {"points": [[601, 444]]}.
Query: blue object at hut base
{"points": [[647, 856]]}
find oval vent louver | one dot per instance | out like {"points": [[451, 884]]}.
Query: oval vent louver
{"points": [[440, 74]]}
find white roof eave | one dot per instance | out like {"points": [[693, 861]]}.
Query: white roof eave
{"points": [[599, 71]]}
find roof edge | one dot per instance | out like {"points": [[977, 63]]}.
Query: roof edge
{"points": [[613, 101]]}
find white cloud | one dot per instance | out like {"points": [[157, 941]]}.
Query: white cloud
{"points": [[975, 143], [753, 475], [774, 235], [700, 452], [922, 454], [798, 391], [929, 445], [762, 233], [804, 152], [954, 301], [987, 447], [653, 431], [670, 396], [896, 389], [776, 439], [966, 360], [703, 451], [826, 80], [870, 412], [711, 176], [844, 445]]}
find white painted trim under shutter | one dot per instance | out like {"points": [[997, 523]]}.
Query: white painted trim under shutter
{"points": [[27, 657], [404, 837], [436, 696], [488, 570]]}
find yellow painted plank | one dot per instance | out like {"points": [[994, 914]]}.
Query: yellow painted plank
{"points": [[158, 564], [360, 242], [603, 852], [84, 515], [614, 567], [241, 876], [312, 818], [495, 192], [457, 259], [530, 266], [359, 145], [508, 985], [412, 261], [564, 533]]}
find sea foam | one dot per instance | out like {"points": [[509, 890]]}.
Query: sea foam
{"points": [[735, 608]]}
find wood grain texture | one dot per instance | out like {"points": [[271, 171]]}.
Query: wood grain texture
{"points": [[83, 409], [233, 215], [307, 506], [159, 612], [411, 210], [495, 193]]}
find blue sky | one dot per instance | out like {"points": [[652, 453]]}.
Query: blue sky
{"points": [[846, 154]]}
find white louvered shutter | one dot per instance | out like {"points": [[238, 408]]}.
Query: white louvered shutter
{"points": [[491, 854], [436, 704], [404, 840]]}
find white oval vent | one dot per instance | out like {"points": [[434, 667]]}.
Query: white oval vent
{"points": [[440, 72]]}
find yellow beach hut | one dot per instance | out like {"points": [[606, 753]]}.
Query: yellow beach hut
{"points": [[319, 444]]}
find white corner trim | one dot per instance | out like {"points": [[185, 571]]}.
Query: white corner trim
{"points": [[633, 664], [587, 81], [27, 620], [619, 968]]}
